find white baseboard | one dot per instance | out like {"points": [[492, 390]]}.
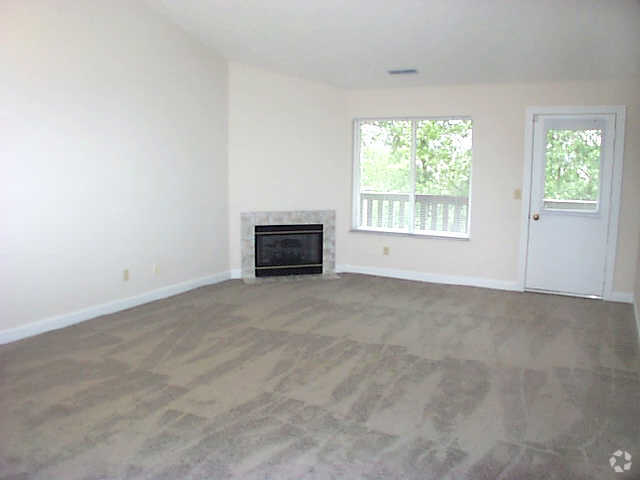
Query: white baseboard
{"points": [[432, 277], [66, 319], [636, 312], [622, 297]]}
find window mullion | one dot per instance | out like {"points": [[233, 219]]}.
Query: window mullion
{"points": [[412, 179]]}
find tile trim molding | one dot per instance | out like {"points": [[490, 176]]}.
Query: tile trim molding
{"points": [[71, 318]]}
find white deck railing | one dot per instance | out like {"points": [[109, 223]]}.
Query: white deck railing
{"points": [[443, 213]]}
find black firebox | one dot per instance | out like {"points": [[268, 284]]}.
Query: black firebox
{"points": [[288, 249]]}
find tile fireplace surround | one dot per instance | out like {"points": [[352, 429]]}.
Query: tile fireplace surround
{"points": [[249, 220]]}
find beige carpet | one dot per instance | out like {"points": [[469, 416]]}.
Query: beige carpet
{"points": [[360, 377]]}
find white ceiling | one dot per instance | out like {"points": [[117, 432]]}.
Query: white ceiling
{"points": [[352, 43]]}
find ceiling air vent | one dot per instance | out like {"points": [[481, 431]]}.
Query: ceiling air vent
{"points": [[404, 71]]}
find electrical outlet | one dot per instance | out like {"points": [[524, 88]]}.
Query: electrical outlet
{"points": [[517, 194], [385, 250], [154, 268], [125, 275]]}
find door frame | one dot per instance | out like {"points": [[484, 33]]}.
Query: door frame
{"points": [[619, 112]]}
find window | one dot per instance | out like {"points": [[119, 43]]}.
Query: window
{"points": [[413, 175], [572, 169]]}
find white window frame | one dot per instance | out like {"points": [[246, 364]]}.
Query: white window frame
{"points": [[355, 188]]}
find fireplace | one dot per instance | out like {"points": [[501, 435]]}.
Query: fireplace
{"points": [[284, 221], [288, 250]]}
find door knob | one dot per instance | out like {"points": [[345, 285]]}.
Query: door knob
{"points": [[536, 216]]}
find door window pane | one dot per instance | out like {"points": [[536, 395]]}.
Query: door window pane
{"points": [[572, 169], [385, 185]]}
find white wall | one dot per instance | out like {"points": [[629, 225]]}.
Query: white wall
{"points": [[288, 140], [290, 147], [113, 156]]}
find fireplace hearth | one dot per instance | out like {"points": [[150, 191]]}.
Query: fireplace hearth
{"points": [[288, 250]]}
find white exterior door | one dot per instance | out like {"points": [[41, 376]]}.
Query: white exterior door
{"points": [[571, 181]]}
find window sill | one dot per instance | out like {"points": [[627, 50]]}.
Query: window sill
{"points": [[400, 233]]}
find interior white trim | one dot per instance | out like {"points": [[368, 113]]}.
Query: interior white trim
{"points": [[431, 277], [616, 195], [66, 319], [616, 189], [636, 312], [481, 282], [355, 175], [620, 297]]}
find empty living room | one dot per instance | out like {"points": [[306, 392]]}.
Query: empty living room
{"points": [[319, 239]]}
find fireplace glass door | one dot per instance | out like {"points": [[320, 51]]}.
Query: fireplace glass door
{"points": [[288, 249]]}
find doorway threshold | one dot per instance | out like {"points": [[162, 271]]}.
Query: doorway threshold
{"points": [[565, 294]]}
